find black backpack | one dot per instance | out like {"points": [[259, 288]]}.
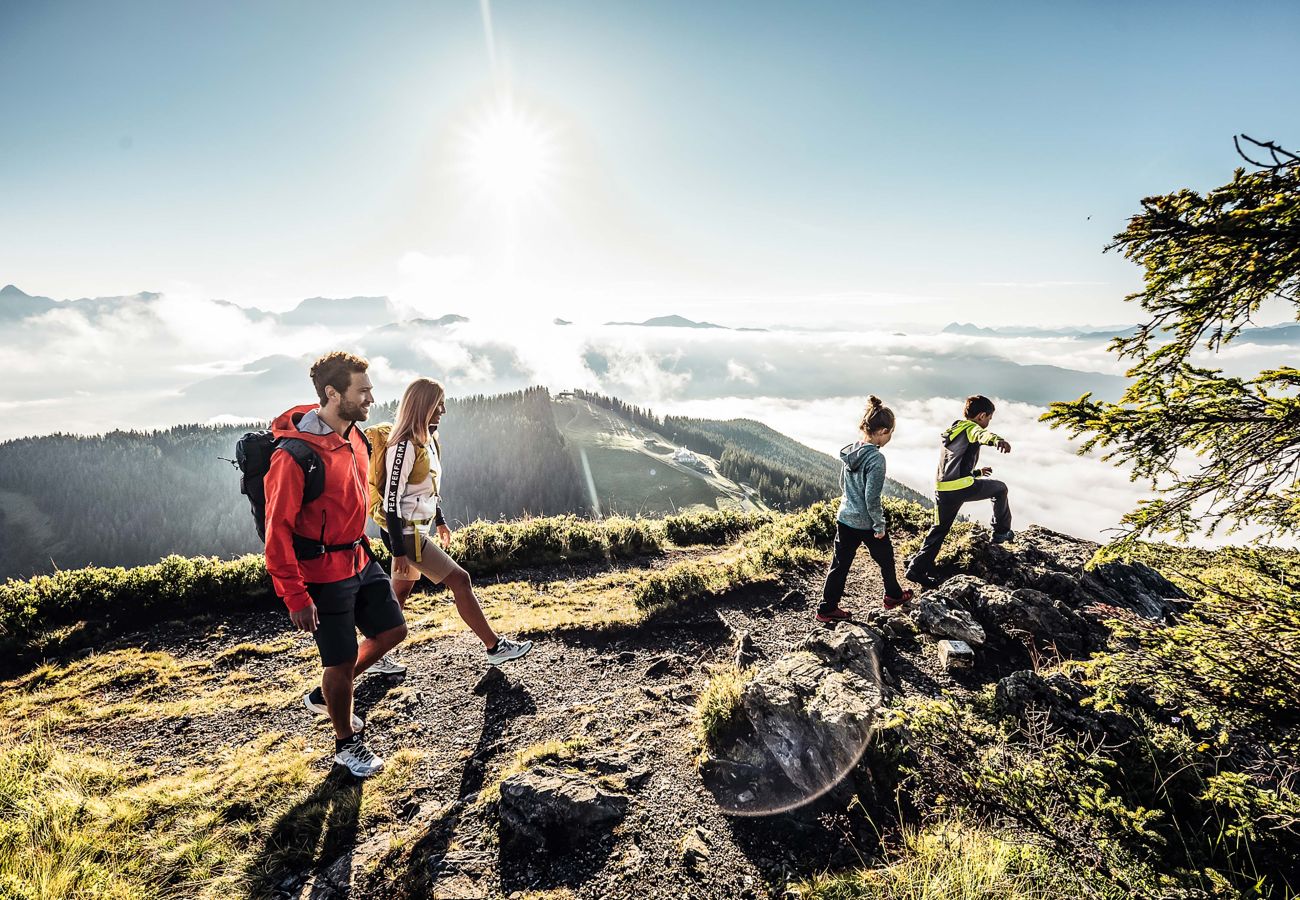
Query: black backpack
{"points": [[253, 459]]}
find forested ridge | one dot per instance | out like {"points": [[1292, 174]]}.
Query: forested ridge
{"points": [[132, 497]]}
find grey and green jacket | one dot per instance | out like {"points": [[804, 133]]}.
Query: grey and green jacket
{"points": [[862, 480], [961, 454]]}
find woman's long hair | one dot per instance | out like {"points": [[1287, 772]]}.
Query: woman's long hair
{"points": [[418, 403]]}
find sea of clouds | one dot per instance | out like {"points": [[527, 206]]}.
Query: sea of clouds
{"points": [[151, 361]]}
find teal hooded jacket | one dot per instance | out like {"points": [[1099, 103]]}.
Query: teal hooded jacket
{"points": [[863, 480]]}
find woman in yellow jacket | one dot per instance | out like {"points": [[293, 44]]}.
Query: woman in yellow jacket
{"points": [[404, 503]]}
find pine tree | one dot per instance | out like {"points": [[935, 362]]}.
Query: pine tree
{"points": [[1218, 450]]}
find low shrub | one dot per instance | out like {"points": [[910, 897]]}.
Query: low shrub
{"points": [[712, 526]]}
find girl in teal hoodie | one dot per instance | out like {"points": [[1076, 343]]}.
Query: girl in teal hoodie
{"points": [[861, 518]]}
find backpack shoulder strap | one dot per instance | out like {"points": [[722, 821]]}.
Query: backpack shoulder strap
{"points": [[313, 470]]}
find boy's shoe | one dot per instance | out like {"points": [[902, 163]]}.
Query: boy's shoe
{"points": [[357, 757], [924, 579], [833, 615], [895, 602], [315, 701], [507, 650], [388, 666], [1001, 537]]}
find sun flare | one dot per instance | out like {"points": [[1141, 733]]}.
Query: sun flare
{"points": [[507, 155]]}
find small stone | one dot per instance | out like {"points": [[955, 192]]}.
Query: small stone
{"points": [[746, 797], [956, 655]]}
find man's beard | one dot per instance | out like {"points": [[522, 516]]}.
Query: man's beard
{"points": [[353, 412]]}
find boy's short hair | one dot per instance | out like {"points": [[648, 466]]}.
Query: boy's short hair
{"points": [[977, 404], [335, 370]]}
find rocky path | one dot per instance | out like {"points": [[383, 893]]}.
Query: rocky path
{"points": [[626, 693]]}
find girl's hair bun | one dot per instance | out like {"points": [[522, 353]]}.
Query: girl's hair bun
{"points": [[876, 416]]}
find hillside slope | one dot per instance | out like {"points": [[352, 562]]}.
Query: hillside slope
{"points": [[131, 498], [631, 469], [1082, 755]]}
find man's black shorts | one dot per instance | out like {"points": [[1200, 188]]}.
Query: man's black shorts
{"points": [[364, 601]]}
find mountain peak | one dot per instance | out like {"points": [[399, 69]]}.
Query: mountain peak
{"points": [[673, 321], [10, 290]]}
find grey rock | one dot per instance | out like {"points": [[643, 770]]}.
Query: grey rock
{"points": [[813, 710], [336, 880], [1024, 694], [956, 655], [694, 850], [1061, 566], [1049, 621], [550, 809], [937, 619]]}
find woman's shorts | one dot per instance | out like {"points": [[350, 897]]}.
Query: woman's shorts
{"points": [[434, 562]]}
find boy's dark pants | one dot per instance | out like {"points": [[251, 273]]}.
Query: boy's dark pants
{"points": [[946, 506], [847, 541]]}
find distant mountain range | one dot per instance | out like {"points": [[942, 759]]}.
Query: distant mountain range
{"points": [[675, 321], [1268, 334]]}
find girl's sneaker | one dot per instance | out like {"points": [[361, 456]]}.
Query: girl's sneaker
{"points": [[833, 615], [507, 650], [895, 602]]}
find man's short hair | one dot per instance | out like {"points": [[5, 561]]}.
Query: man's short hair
{"points": [[335, 370], [978, 404]]}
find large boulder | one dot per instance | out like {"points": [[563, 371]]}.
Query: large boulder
{"points": [[808, 717], [1059, 565], [1008, 616], [1026, 694], [550, 808], [1048, 621]]}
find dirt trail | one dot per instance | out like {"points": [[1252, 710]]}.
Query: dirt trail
{"points": [[468, 726]]}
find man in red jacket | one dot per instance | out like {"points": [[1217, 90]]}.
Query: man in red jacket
{"points": [[318, 554]]}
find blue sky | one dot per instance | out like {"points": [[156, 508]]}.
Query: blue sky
{"points": [[819, 162]]}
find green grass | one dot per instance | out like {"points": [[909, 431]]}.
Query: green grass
{"points": [[74, 824], [950, 862], [717, 709], [632, 478]]}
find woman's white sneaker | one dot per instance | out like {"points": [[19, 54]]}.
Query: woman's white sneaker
{"points": [[357, 757], [388, 666], [315, 701], [507, 650]]}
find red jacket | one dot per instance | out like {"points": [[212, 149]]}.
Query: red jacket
{"points": [[338, 516]]}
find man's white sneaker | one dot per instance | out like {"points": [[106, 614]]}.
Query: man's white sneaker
{"points": [[388, 666], [315, 701], [507, 650], [358, 758]]}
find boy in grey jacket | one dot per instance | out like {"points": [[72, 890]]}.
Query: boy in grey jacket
{"points": [[861, 518], [960, 480]]}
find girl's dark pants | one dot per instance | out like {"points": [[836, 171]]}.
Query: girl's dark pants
{"points": [[847, 541]]}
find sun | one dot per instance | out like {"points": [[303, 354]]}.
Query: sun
{"points": [[507, 155]]}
